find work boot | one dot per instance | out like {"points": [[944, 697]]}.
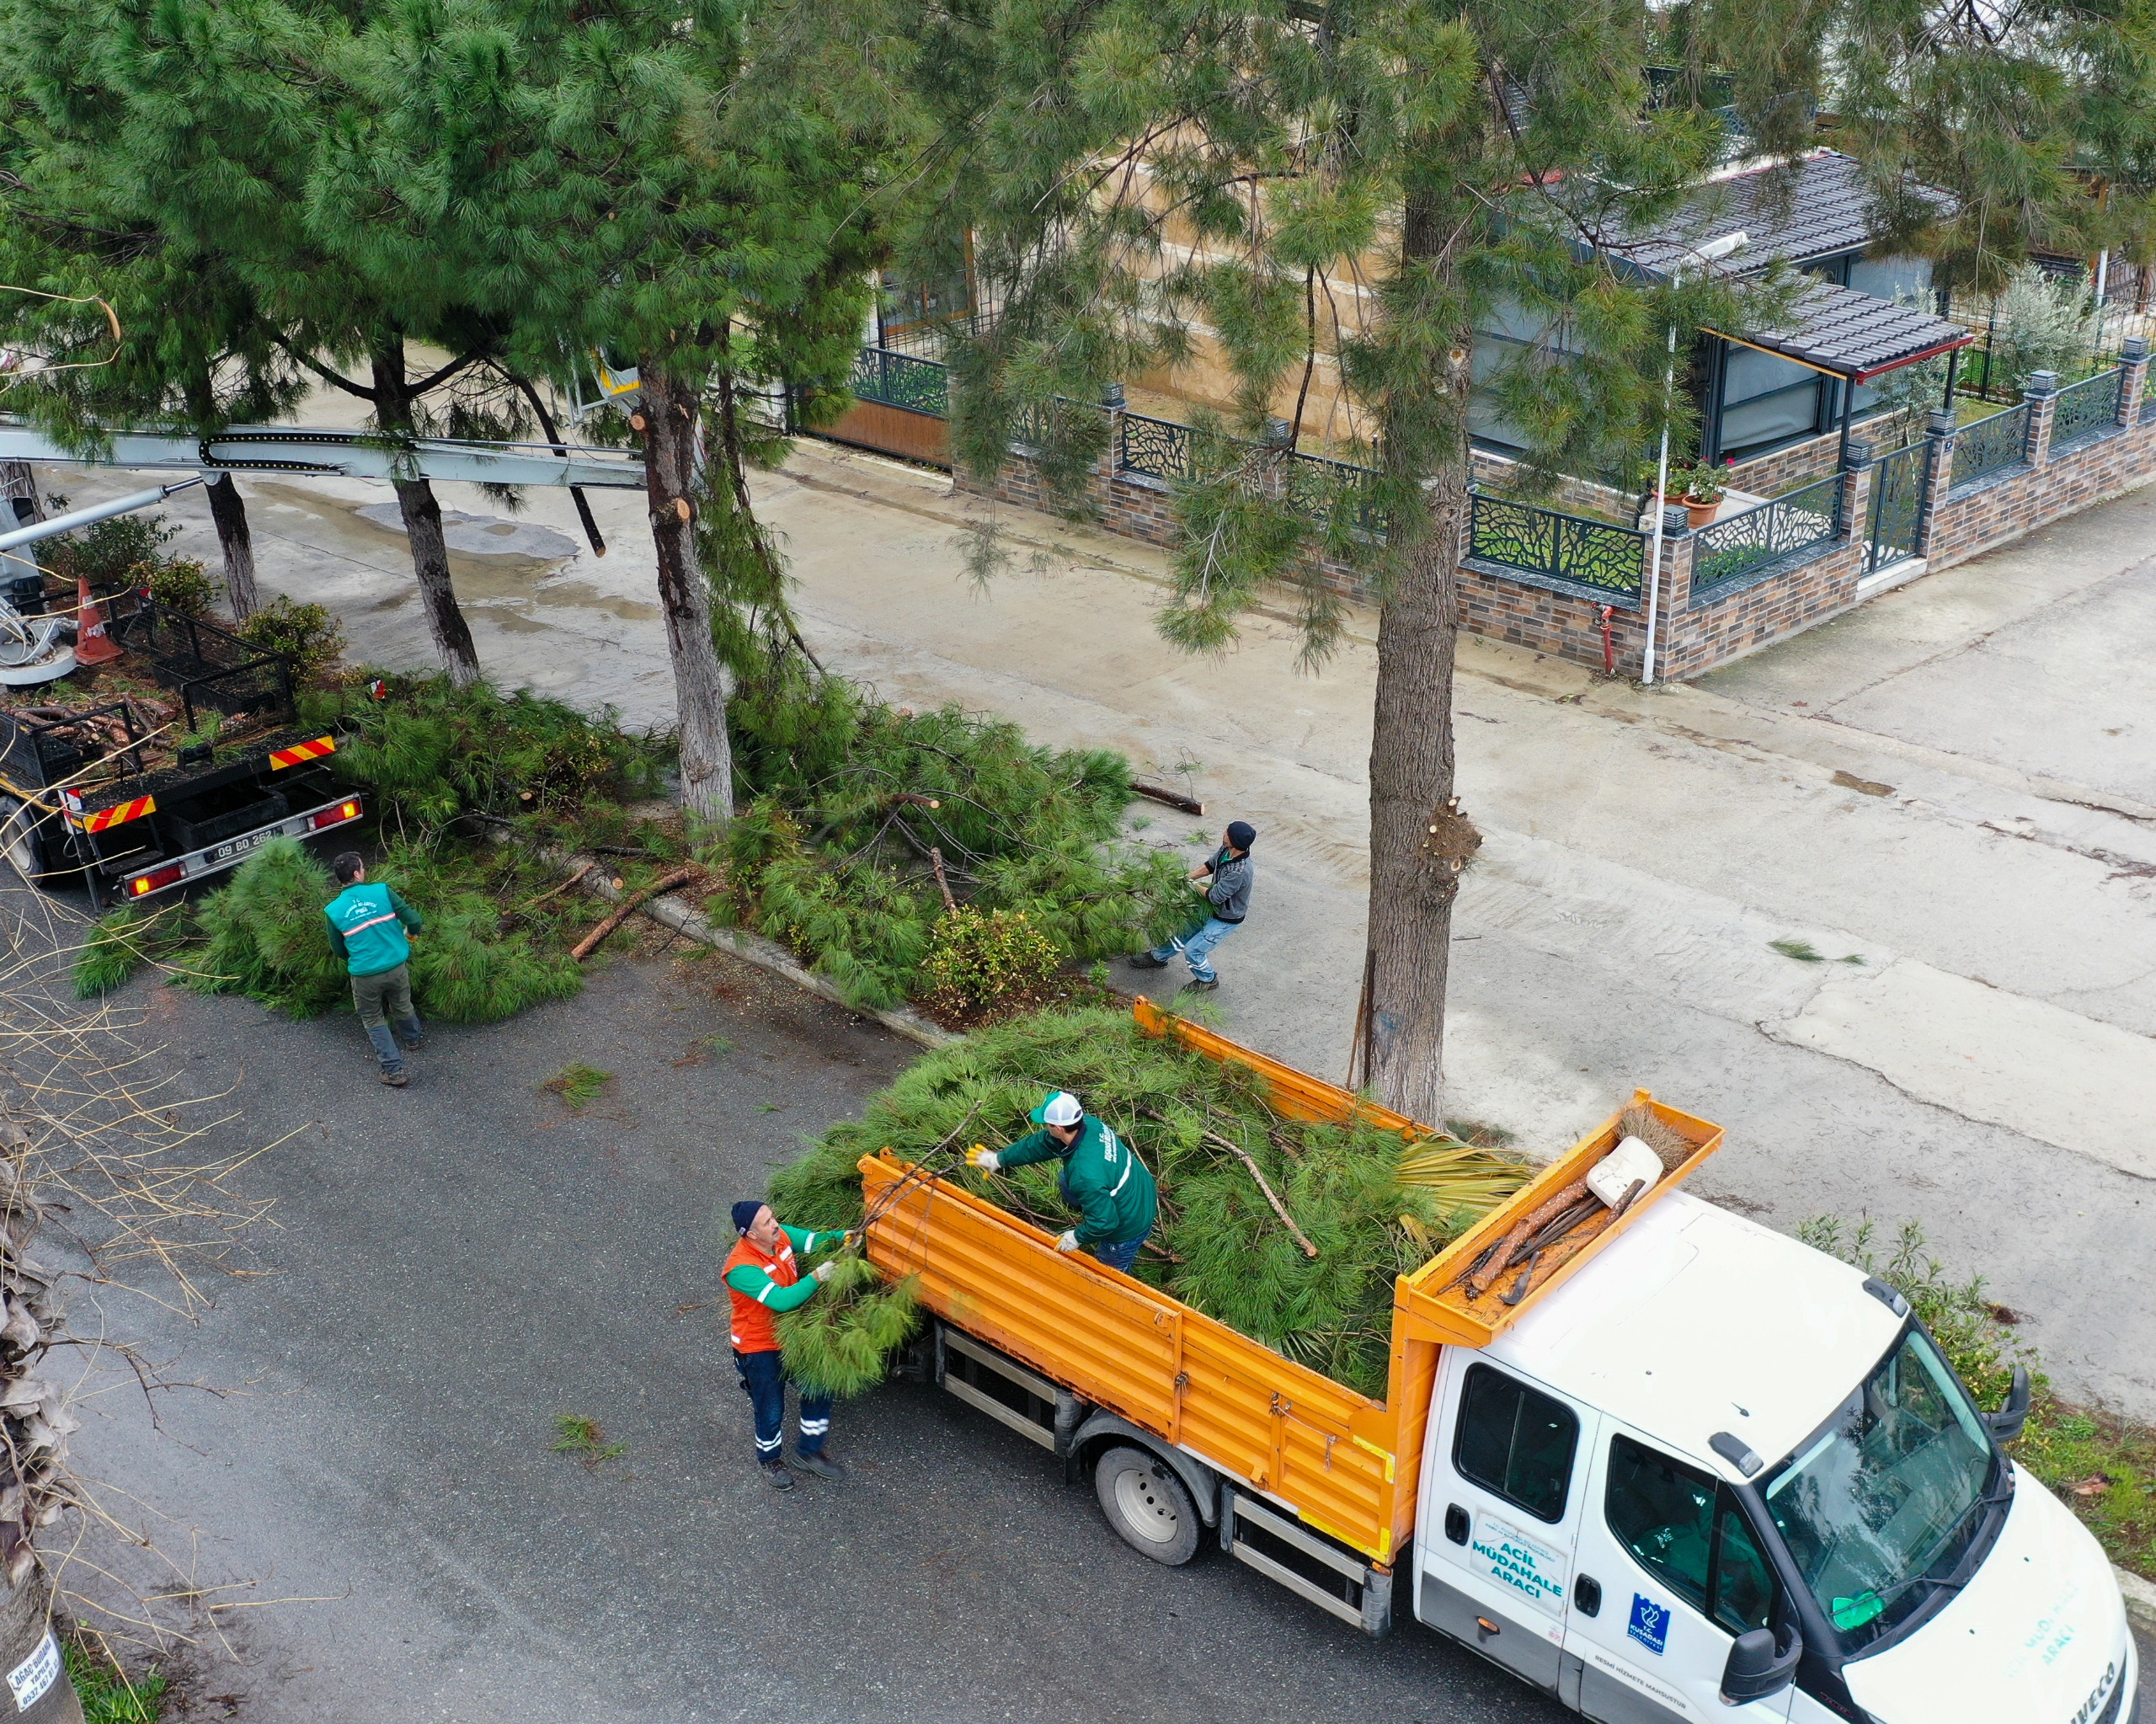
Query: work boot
{"points": [[1200, 985], [776, 1476], [1145, 960], [395, 1080], [824, 1467]]}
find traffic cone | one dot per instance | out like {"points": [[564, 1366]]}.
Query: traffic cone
{"points": [[93, 645]]}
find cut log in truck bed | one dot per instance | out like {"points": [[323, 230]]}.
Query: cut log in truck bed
{"points": [[1336, 1461]]}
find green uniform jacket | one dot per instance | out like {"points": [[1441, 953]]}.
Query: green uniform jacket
{"points": [[366, 927], [757, 1284], [1102, 1177]]}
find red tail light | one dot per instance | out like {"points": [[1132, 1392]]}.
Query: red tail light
{"points": [[335, 817], [142, 885]]}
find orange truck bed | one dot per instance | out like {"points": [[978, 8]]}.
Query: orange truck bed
{"points": [[1341, 1463]]}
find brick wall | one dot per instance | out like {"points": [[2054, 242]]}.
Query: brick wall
{"points": [[1969, 522], [1692, 640]]}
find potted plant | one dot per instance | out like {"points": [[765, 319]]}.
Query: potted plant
{"points": [[1703, 494]]}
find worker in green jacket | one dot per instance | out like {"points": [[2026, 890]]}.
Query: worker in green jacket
{"points": [[1102, 1178], [367, 929]]}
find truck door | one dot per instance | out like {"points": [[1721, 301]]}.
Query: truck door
{"points": [[1502, 1495], [1668, 1573]]}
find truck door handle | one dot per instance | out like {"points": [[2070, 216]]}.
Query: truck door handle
{"points": [[1456, 1523], [1586, 1595]]}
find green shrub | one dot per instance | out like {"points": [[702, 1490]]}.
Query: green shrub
{"points": [[1223, 1249], [977, 958], [308, 634], [124, 551], [185, 585]]}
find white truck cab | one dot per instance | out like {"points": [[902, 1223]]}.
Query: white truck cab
{"points": [[1720, 1475]]}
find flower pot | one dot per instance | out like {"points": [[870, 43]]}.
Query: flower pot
{"points": [[1698, 514]]}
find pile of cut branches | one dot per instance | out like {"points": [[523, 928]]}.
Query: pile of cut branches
{"points": [[865, 824], [264, 935], [1289, 1231]]}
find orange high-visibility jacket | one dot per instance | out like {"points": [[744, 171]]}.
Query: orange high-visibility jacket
{"points": [[761, 1283]]}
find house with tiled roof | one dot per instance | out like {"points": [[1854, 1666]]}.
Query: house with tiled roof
{"points": [[1813, 370]]}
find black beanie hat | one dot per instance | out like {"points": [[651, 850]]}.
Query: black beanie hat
{"points": [[1242, 833], [744, 1214]]}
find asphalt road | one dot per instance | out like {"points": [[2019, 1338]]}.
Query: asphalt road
{"points": [[449, 1268]]}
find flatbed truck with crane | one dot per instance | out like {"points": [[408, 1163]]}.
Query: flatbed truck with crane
{"points": [[1701, 1471]]}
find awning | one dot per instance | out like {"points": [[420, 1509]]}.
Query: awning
{"points": [[1853, 335]]}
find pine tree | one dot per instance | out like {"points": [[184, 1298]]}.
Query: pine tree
{"points": [[689, 186], [209, 126], [195, 352], [1369, 183]]}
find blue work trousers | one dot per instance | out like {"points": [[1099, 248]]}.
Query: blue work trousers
{"points": [[1196, 945], [1119, 1256], [763, 1380]]}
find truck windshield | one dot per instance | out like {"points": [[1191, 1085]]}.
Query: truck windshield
{"points": [[1889, 1497]]}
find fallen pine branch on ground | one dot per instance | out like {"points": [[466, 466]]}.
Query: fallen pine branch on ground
{"points": [[591, 942]]}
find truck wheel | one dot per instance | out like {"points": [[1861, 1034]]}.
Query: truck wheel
{"points": [[1148, 1505], [19, 840]]}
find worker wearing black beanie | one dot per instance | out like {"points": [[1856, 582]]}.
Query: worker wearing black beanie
{"points": [[763, 1277], [1223, 882]]}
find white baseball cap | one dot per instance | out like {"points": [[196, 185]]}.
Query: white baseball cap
{"points": [[1059, 1107]]}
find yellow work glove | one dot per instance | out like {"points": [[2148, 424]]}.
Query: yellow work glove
{"points": [[984, 1159], [1068, 1243]]}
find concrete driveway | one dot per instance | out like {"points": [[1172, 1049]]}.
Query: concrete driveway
{"points": [[1877, 899]]}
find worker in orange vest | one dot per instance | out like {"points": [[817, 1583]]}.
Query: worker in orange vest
{"points": [[763, 1277]]}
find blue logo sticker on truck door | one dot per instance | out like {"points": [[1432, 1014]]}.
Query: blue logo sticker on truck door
{"points": [[1650, 1623]]}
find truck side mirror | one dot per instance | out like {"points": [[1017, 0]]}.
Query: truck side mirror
{"points": [[2006, 1423], [1757, 1668]]}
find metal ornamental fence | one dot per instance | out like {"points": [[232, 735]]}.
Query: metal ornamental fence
{"points": [[1155, 449], [899, 380], [1593, 558], [1730, 553], [2087, 409], [1985, 446], [1317, 488]]}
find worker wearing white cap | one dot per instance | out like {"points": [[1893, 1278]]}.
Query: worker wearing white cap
{"points": [[1102, 1178]]}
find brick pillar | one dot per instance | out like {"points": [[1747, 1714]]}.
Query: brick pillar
{"points": [[1673, 636], [2042, 393], [1279, 440], [1111, 460], [1938, 473], [1856, 488], [2134, 388]]}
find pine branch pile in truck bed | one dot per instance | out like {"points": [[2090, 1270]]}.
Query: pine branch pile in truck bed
{"points": [[1220, 1244]]}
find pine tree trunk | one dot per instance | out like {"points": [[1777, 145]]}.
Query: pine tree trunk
{"points": [[415, 501], [1415, 874], [26, 1619], [701, 686], [228, 509]]}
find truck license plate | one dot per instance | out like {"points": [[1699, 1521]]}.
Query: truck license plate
{"points": [[240, 846]]}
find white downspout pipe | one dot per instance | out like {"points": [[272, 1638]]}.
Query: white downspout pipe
{"points": [[1661, 514]]}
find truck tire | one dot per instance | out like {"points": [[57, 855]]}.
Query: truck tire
{"points": [[20, 841], [1150, 1508]]}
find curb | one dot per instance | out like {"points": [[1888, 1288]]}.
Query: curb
{"points": [[670, 912], [2140, 1600]]}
